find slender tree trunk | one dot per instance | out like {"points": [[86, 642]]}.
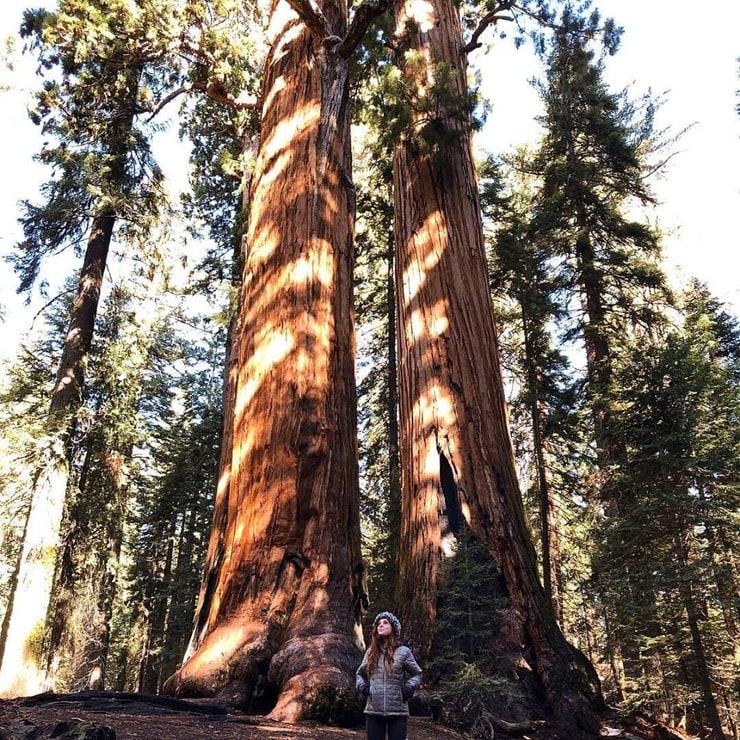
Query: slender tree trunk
{"points": [[551, 559], [614, 652], [154, 609], [724, 568], [98, 648], [283, 611], [726, 578], [62, 598], [69, 383], [456, 452], [598, 351], [21, 671], [610, 450], [394, 452], [549, 523], [703, 678], [180, 605]]}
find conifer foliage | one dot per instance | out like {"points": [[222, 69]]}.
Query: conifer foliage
{"points": [[584, 275], [96, 60], [677, 402], [204, 488]]}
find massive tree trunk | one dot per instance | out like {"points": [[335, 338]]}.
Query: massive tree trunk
{"points": [[457, 459], [23, 631], [281, 619]]}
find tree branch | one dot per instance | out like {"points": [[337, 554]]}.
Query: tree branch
{"points": [[487, 20], [516, 727], [491, 18], [361, 20], [311, 15], [168, 99], [214, 89]]}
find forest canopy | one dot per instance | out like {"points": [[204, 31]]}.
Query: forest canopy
{"points": [[352, 362]]}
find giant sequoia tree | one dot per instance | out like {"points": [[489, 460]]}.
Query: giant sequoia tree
{"points": [[457, 460], [280, 601]]}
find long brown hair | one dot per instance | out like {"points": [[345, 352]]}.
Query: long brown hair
{"points": [[376, 643]]}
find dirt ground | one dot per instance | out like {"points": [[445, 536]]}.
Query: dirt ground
{"points": [[114, 716], [138, 718]]}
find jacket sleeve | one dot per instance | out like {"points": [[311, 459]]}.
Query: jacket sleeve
{"points": [[362, 682], [412, 671]]}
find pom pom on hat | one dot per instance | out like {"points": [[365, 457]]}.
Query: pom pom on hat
{"points": [[393, 619]]}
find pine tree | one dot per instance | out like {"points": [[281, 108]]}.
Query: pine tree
{"points": [[100, 481], [547, 428], [174, 508], [163, 524], [473, 645], [675, 404], [593, 161], [104, 174]]}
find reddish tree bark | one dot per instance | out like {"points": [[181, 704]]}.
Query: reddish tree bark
{"points": [[282, 611], [457, 457]]}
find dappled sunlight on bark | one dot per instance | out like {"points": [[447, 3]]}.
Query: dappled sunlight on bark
{"points": [[280, 606], [429, 240], [21, 672], [457, 457], [208, 661], [435, 410], [280, 156], [423, 13], [267, 356]]}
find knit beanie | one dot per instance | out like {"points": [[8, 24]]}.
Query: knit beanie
{"points": [[393, 619]]}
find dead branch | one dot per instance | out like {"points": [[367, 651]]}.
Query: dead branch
{"points": [[488, 19], [516, 728], [361, 20]]}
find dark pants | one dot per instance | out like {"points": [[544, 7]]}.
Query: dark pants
{"points": [[395, 724]]}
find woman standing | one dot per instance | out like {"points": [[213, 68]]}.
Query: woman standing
{"points": [[388, 677]]}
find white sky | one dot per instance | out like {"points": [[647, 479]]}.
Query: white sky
{"points": [[667, 48]]}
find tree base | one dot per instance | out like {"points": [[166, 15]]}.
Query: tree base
{"points": [[308, 678]]}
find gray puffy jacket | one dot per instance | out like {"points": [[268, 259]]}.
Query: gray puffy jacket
{"points": [[386, 686]]}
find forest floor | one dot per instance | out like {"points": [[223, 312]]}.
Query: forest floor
{"points": [[110, 716]]}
